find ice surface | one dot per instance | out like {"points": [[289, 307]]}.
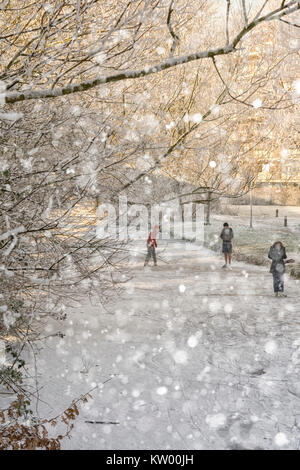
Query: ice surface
{"points": [[211, 366]]}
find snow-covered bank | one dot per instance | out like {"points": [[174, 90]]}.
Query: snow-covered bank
{"points": [[251, 244], [196, 357]]}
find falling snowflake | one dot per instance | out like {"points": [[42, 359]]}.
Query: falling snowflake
{"points": [[216, 421], [192, 341], [160, 50], [197, 118], [281, 439], [161, 390], [180, 357], [257, 103], [271, 347], [100, 57], [227, 308], [296, 86]]}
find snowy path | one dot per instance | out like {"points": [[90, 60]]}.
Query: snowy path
{"points": [[201, 358]]}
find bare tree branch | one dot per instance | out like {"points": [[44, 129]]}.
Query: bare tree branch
{"points": [[171, 30], [227, 21], [13, 97], [245, 12]]}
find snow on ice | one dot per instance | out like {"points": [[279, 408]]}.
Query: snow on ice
{"points": [[209, 369], [216, 421]]}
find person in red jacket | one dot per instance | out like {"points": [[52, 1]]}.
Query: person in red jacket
{"points": [[151, 245]]}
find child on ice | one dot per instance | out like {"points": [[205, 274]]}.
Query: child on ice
{"points": [[151, 245]]}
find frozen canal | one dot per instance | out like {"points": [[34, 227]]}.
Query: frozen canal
{"points": [[190, 357]]}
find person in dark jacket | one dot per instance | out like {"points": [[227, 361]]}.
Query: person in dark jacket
{"points": [[151, 245], [227, 236], [278, 256]]}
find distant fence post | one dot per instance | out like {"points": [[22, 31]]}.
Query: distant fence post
{"points": [[277, 212], [285, 221]]}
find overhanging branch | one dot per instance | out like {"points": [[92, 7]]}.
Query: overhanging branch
{"points": [[13, 97]]}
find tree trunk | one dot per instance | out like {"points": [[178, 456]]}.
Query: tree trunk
{"points": [[207, 222]]}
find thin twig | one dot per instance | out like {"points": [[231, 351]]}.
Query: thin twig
{"points": [[171, 30]]}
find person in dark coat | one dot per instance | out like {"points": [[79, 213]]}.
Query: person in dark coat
{"points": [[151, 245], [227, 236], [277, 254]]}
